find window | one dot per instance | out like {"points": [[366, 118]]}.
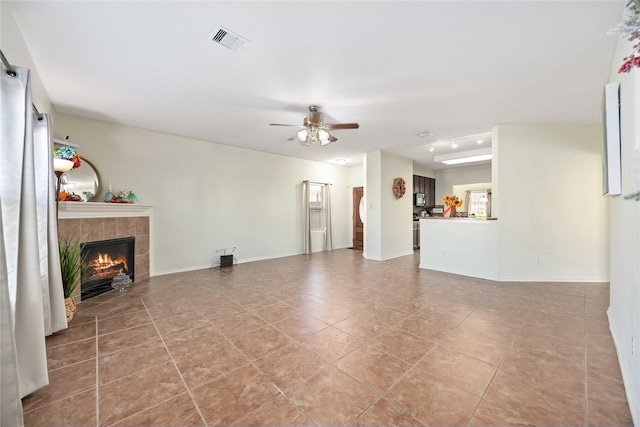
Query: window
{"points": [[476, 205], [316, 207]]}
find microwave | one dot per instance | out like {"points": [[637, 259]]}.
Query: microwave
{"points": [[419, 199]]}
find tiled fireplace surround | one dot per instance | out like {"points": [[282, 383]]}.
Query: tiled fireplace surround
{"points": [[111, 223]]}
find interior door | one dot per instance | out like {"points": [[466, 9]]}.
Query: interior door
{"points": [[358, 226]]}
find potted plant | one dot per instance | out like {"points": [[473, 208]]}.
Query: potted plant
{"points": [[71, 259]]}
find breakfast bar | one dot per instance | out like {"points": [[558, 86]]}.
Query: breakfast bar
{"points": [[466, 246]]}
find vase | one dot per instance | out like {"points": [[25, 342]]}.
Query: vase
{"points": [[452, 212], [70, 308]]}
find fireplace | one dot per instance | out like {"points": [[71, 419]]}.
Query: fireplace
{"points": [[104, 260]]}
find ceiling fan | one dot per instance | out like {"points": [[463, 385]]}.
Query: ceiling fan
{"points": [[314, 129]]}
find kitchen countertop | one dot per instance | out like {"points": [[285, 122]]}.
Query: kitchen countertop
{"points": [[458, 218]]}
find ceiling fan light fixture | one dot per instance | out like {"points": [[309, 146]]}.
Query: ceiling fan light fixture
{"points": [[302, 135], [315, 130], [323, 136]]}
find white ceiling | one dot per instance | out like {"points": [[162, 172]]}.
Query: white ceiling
{"points": [[397, 68]]}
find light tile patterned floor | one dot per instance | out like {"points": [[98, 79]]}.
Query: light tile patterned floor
{"points": [[335, 339]]}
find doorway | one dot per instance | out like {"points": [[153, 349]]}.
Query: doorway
{"points": [[358, 226]]}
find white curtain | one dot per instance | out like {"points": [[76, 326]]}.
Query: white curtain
{"points": [[328, 244], [55, 318], [10, 403], [306, 218], [467, 202], [29, 235]]}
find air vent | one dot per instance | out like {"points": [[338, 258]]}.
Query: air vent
{"points": [[228, 39]]}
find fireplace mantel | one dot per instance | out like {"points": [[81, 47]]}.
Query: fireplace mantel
{"points": [[73, 210], [95, 221]]}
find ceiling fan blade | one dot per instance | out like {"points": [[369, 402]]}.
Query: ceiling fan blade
{"points": [[329, 141], [293, 138], [279, 124], [342, 125]]}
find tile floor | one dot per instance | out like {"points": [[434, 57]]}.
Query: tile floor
{"points": [[335, 339]]}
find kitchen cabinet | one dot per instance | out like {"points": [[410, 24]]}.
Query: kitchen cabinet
{"points": [[416, 234], [426, 185]]}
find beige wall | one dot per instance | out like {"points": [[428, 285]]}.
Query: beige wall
{"points": [[547, 190], [388, 227], [423, 171], [624, 309], [447, 178], [209, 196], [15, 49]]}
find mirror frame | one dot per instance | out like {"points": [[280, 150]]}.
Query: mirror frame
{"points": [[84, 161]]}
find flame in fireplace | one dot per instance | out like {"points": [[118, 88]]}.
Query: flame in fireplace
{"points": [[103, 266], [105, 261]]}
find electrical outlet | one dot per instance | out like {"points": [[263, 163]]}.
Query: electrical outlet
{"points": [[540, 260]]}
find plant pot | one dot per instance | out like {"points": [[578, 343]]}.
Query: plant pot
{"points": [[70, 307]]}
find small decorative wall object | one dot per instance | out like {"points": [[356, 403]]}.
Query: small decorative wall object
{"points": [[399, 187]]}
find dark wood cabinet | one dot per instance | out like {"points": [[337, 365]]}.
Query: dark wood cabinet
{"points": [[423, 184]]}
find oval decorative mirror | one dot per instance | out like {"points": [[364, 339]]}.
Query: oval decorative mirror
{"points": [[361, 210], [84, 181]]}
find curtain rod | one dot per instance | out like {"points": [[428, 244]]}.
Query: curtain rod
{"points": [[12, 72], [320, 183]]}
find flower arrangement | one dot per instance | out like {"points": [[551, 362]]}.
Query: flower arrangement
{"points": [[452, 201], [630, 28], [67, 153]]}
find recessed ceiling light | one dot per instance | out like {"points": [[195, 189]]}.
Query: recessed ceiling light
{"points": [[454, 145], [467, 159], [425, 133], [464, 156], [480, 141], [431, 148]]}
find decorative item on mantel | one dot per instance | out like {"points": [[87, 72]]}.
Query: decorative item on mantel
{"points": [[452, 203], [109, 195], [125, 196], [65, 158], [630, 29]]}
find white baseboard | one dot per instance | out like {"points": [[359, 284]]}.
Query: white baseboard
{"points": [[390, 256], [238, 261], [552, 279], [630, 385]]}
